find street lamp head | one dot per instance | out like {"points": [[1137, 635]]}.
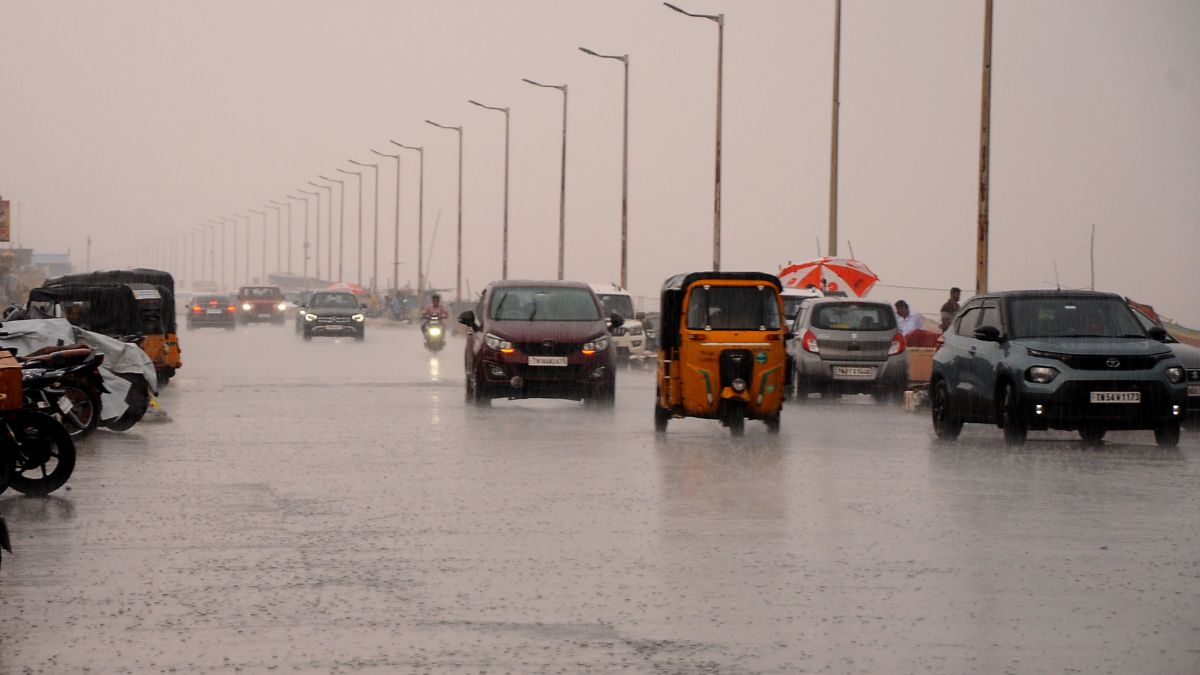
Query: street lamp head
{"points": [[711, 17], [418, 148], [384, 154], [560, 87], [352, 173], [444, 126]]}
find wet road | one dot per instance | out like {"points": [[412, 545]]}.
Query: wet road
{"points": [[334, 506]]}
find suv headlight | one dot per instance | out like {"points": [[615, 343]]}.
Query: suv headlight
{"points": [[498, 343], [246, 307], [310, 317], [635, 331], [358, 317], [1041, 374], [1175, 374], [597, 345], [282, 306]]}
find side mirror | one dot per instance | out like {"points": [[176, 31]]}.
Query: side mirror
{"points": [[1158, 333], [640, 316], [467, 318], [616, 320], [987, 334]]}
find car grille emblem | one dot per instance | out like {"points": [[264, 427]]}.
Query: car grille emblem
{"points": [[1113, 363], [548, 344]]}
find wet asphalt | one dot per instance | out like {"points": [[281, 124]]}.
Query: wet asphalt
{"points": [[334, 506]]}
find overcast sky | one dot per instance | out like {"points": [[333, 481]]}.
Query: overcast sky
{"points": [[131, 120]]}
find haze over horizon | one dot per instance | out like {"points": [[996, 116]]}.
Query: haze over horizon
{"points": [[132, 120]]}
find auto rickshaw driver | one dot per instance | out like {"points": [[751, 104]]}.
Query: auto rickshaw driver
{"points": [[721, 349]]}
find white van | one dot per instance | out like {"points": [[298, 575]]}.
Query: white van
{"points": [[629, 338]]}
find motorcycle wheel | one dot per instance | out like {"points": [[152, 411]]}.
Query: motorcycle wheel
{"points": [[84, 415], [44, 453], [7, 456], [736, 416]]}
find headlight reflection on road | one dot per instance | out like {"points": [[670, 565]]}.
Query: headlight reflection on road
{"points": [[435, 369]]}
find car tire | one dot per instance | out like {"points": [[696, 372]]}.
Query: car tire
{"points": [[735, 415], [308, 335], [1092, 435], [802, 389], [362, 335], [947, 425], [604, 396], [477, 395], [231, 326], [1016, 428], [1167, 435]]}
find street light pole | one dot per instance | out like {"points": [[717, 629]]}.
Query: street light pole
{"points": [[225, 249], [212, 253], [720, 21], [317, 213], [458, 277], [304, 255], [288, 205], [504, 253], [375, 218], [360, 175], [562, 189], [247, 253], [276, 207], [328, 227], [263, 278], [396, 234], [341, 226], [316, 232], [624, 59], [420, 219]]}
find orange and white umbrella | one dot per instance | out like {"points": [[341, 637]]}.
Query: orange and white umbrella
{"points": [[348, 286], [830, 275]]}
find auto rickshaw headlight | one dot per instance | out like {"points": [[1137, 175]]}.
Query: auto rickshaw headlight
{"points": [[738, 384], [246, 307]]}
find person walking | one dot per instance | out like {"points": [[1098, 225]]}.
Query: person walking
{"points": [[951, 307]]}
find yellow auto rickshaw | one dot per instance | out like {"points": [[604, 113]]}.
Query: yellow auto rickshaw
{"points": [[722, 352], [160, 343]]}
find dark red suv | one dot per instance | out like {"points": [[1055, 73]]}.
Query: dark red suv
{"points": [[260, 303], [539, 339]]}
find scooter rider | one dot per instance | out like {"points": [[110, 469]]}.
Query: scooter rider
{"points": [[434, 308]]}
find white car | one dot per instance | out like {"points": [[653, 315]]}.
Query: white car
{"points": [[629, 338]]}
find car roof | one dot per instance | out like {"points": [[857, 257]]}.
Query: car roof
{"points": [[1050, 293], [846, 301], [608, 289], [803, 292], [556, 283]]}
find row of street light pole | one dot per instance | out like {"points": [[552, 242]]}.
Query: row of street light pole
{"points": [[283, 264]]}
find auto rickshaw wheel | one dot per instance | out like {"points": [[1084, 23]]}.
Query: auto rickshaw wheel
{"points": [[772, 422], [661, 417], [735, 416]]}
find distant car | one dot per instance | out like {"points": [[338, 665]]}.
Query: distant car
{"points": [[211, 310], [260, 303], [539, 339], [1189, 357], [333, 313], [1072, 360], [844, 346], [629, 339]]}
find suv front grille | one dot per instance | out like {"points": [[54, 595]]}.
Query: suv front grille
{"points": [[1106, 362], [549, 348]]}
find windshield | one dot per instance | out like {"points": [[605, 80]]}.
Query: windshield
{"points": [[733, 308], [621, 304], [1072, 317], [210, 300], [532, 303], [346, 300], [260, 292], [861, 316]]}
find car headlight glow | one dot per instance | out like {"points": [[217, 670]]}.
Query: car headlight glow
{"points": [[1175, 374], [498, 343], [635, 331], [310, 317], [1041, 374], [358, 317], [246, 307], [282, 306], [597, 345]]}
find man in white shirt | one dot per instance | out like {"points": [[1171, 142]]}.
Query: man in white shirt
{"points": [[906, 321]]}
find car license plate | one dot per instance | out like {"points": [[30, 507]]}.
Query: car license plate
{"points": [[557, 361], [1116, 397], [853, 371], [1194, 390], [65, 405], [213, 311], [261, 315]]}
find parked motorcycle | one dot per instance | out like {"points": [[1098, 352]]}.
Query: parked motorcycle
{"points": [[435, 334], [37, 450], [65, 382]]}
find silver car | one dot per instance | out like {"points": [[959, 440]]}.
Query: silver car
{"points": [[848, 346]]}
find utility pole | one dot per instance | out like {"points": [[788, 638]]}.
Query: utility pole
{"points": [[833, 146], [985, 133]]}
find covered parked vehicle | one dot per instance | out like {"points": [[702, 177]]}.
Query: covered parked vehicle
{"points": [[161, 345], [539, 339], [1073, 360], [848, 346], [721, 349]]}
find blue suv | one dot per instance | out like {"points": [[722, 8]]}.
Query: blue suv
{"points": [[1074, 360]]}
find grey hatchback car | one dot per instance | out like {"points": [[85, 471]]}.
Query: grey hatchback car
{"points": [[846, 346], [1073, 360]]}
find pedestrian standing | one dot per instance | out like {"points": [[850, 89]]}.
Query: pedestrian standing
{"points": [[951, 307]]}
